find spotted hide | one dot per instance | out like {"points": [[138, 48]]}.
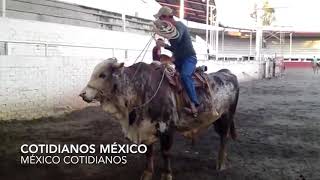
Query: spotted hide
{"points": [[144, 103]]}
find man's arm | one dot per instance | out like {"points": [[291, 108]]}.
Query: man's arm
{"points": [[167, 46]]}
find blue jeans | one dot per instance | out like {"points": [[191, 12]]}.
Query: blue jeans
{"points": [[186, 69]]}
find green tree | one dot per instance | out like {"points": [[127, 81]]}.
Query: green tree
{"points": [[267, 16]]}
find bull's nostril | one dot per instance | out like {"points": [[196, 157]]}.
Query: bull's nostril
{"points": [[82, 94]]}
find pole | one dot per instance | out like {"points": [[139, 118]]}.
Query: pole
{"points": [[259, 31], [181, 9], [280, 42], [222, 43], [258, 43], [124, 21], [290, 47], [211, 31], [217, 39], [207, 23], [3, 9], [250, 46]]}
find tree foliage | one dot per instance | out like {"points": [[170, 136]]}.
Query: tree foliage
{"points": [[268, 14]]}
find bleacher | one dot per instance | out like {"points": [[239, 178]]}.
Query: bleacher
{"points": [[73, 14], [234, 48]]}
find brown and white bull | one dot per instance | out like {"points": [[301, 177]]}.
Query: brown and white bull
{"points": [[149, 112]]}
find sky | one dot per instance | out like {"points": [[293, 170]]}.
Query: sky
{"points": [[292, 13], [287, 12]]}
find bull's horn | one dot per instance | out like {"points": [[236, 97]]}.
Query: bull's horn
{"points": [[117, 65], [112, 60]]}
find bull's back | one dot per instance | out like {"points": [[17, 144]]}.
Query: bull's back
{"points": [[222, 78], [225, 88]]}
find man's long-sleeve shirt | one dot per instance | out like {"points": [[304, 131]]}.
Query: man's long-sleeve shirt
{"points": [[181, 47]]}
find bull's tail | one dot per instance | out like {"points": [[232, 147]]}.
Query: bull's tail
{"points": [[233, 132], [232, 111]]}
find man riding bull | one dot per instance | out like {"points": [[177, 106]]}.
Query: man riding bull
{"points": [[183, 53]]}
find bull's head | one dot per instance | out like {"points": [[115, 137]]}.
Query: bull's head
{"points": [[102, 84]]}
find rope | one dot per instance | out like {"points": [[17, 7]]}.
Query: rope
{"points": [[145, 52], [154, 95], [166, 29], [144, 49], [166, 69]]}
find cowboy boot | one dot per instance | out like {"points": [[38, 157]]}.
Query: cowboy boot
{"points": [[193, 110]]}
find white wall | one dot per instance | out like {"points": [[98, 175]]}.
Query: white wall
{"points": [[33, 85], [244, 70], [51, 33]]}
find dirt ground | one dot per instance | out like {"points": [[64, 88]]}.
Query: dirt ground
{"points": [[278, 122]]}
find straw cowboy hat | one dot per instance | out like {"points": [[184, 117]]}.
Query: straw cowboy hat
{"points": [[166, 11], [165, 28]]}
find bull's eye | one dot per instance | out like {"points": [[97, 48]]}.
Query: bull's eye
{"points": [[102, 76], [114, 88]]}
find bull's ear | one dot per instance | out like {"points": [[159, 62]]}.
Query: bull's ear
{"points": [[121, 65]]}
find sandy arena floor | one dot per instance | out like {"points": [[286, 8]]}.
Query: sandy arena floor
{"points": [[278, 123]]}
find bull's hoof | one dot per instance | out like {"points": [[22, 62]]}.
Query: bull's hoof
{"points": [[147, 175], [166, 176], [221, 167]]}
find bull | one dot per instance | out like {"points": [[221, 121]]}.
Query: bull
{"points": [[148, 110]]}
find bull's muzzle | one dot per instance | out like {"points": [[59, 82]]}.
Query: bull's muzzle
{"points": [[84, 97]]}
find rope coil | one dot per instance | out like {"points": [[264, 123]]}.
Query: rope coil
{"points": [[165, 29]]}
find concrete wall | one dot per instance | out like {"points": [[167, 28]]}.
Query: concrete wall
{"points": [[301, 47], [67, 40], [245, 70], [33, 86]]}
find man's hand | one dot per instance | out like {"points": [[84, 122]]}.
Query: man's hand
{"points": [[160, 43]]}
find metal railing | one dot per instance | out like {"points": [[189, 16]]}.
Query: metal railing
{"points": [[46, 47]]}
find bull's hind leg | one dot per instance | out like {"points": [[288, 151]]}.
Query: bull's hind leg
{"points": [[225, 126], [221, 128], [148, 172]]}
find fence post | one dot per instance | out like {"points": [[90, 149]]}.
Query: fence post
{"points": [[6, 50], [45, 50], [124, 21], [3, 8]]}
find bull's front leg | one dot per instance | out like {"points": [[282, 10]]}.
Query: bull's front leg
{"points": [[148, 172], [166, 139]]}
